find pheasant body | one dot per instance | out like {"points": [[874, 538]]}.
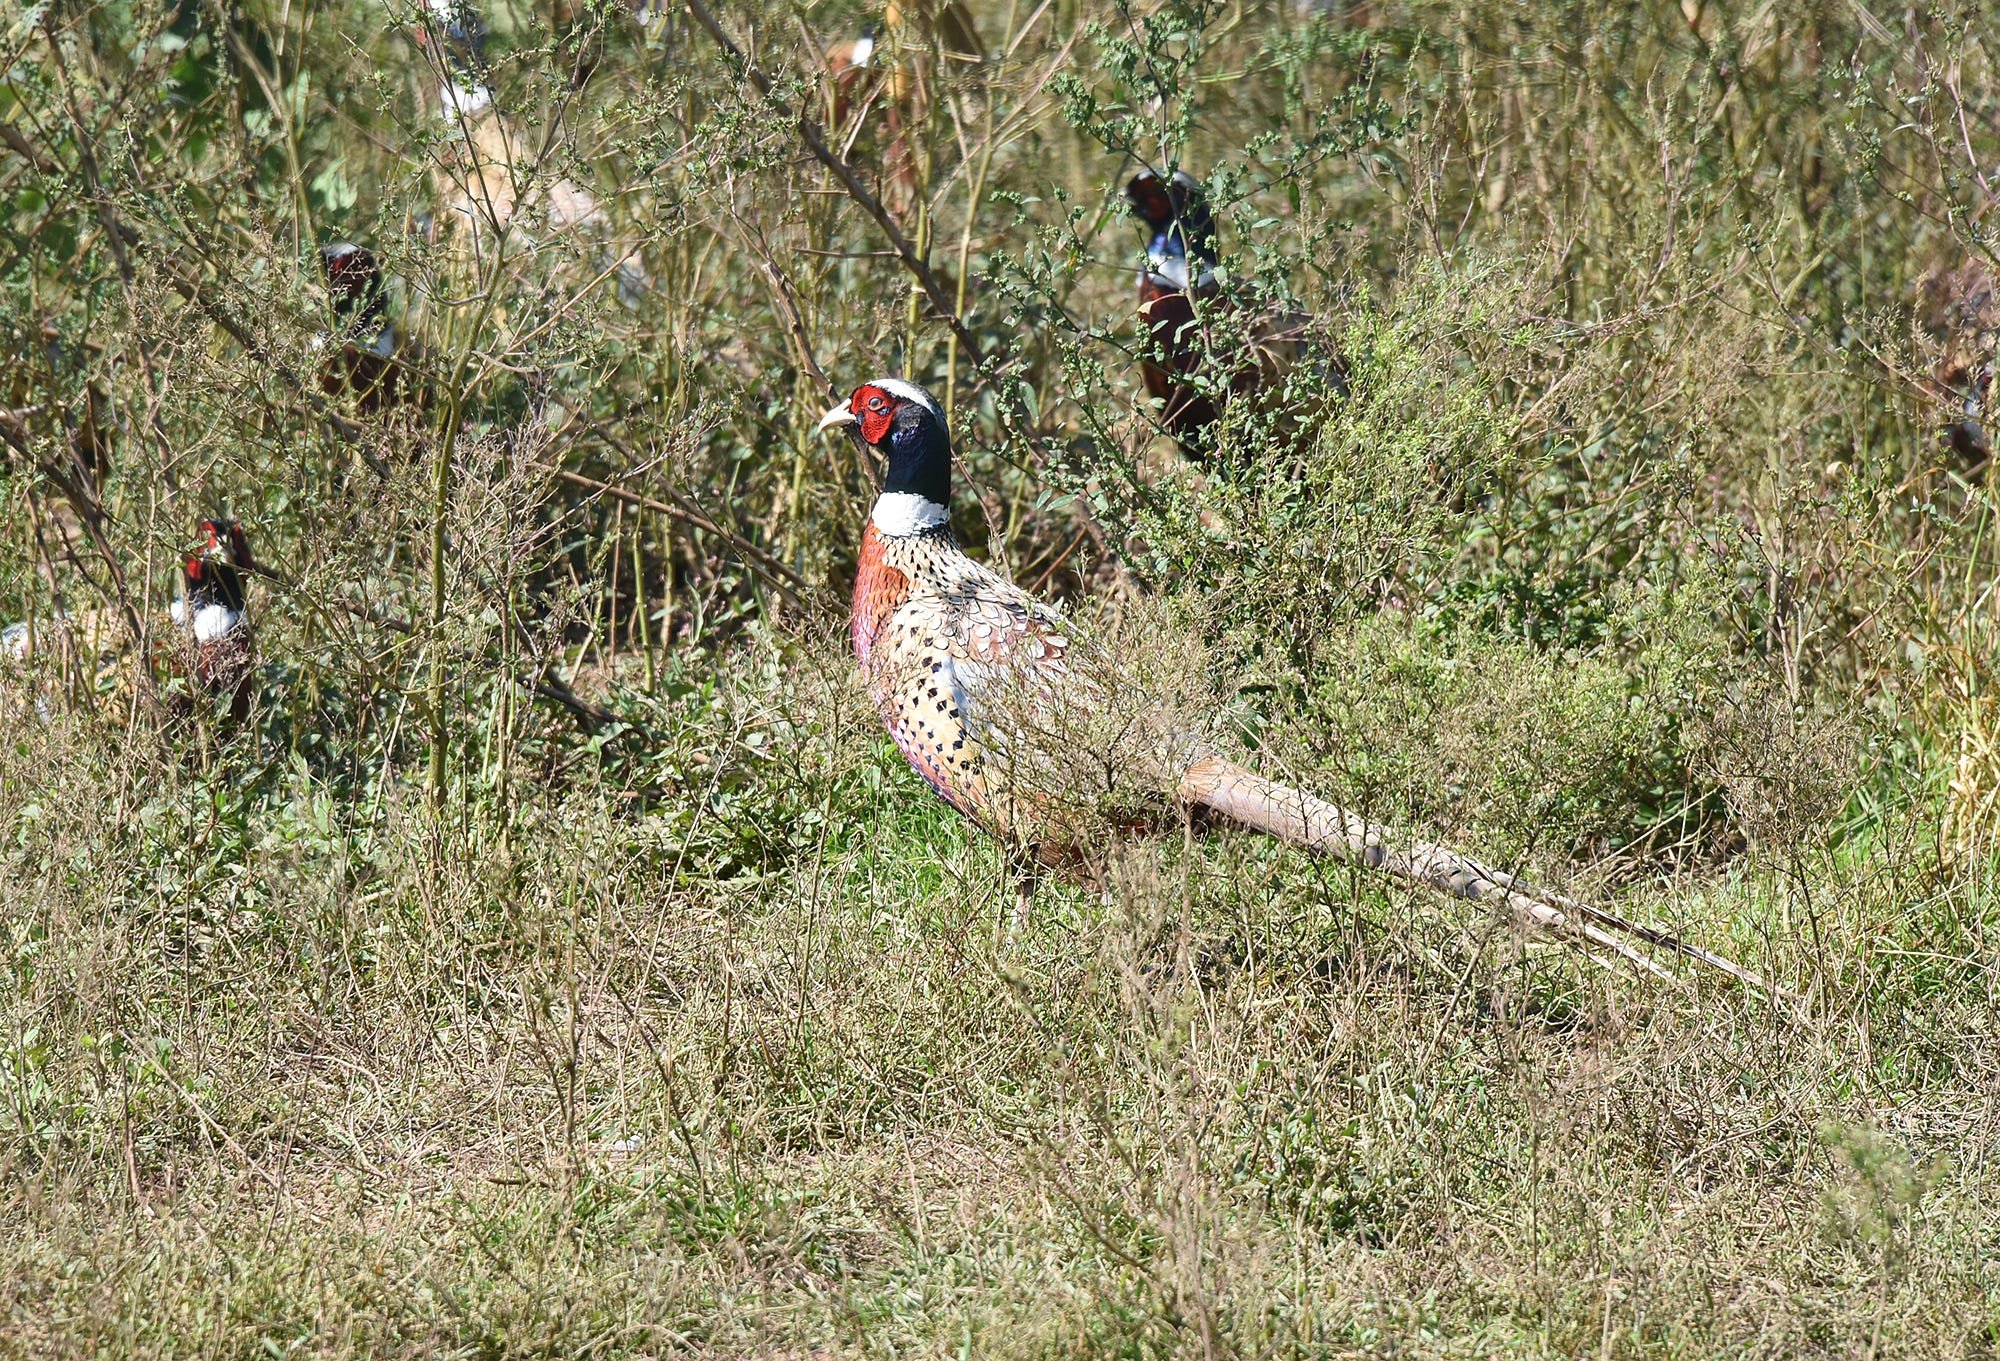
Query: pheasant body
{"points": [[939, 638], [369, 356]]}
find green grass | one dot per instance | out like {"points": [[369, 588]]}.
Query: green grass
{"points": [[326, 1094]]}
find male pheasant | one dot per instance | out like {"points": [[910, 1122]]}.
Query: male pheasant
{"points": [[367, 363], [211, 644], [454, 32], [1180, 256], [1250, 345], [208, 639], [1029, 730], [1960, 310]]}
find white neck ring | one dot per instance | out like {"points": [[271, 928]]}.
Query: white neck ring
{"points": [[903, 512]]}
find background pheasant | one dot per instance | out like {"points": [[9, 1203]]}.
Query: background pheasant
{"points": [[887, 67], [1201, 342], [1180, 258], [454, 33], [208, 640], [212, 644], [488, 171], [1959, 310], [367, 362], [1035, 735]]}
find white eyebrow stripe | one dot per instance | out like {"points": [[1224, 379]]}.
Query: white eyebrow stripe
{"points": [[909, 392]]}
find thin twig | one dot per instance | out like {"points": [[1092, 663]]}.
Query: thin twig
{"points": [[815, 140], [789, 584]]}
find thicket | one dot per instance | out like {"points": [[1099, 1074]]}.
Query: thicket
{"points": [[559, 960]]}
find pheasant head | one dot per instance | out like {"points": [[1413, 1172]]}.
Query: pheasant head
{"points": [[905, 426], [212, 581], [1176, 212]]}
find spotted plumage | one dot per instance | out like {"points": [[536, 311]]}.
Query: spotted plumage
{"points": [[1033, 733], [938, 635]]}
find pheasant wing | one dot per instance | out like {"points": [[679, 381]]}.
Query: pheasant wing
{"points": [[1063, 735]]}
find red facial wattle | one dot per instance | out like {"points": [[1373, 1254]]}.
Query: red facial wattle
{"points": [[877, 412]]}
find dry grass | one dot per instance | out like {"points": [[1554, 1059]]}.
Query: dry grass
{"points": [[325, 1091]]}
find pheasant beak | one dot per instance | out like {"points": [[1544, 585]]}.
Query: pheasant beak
{"points": [[839, 416]]}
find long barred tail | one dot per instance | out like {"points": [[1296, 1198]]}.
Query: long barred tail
{"points": [[1304, 820]]}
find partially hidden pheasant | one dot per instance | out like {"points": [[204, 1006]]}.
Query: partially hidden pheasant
{"points": [[1203, 346], [489, 171], [1959, 309], [1180, 264], [212, 643], [208, 640], [885, 71], [367, 350], [1025, 727]]}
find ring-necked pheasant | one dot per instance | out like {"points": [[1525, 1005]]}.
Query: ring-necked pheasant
{"points": [[1193, 330], [893, 62], [1031, 731], [1180, 258], [488, 174], [212, 644], [848, 63], [366, 363], [455, 32], [208, 639], [1960, 309]]}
